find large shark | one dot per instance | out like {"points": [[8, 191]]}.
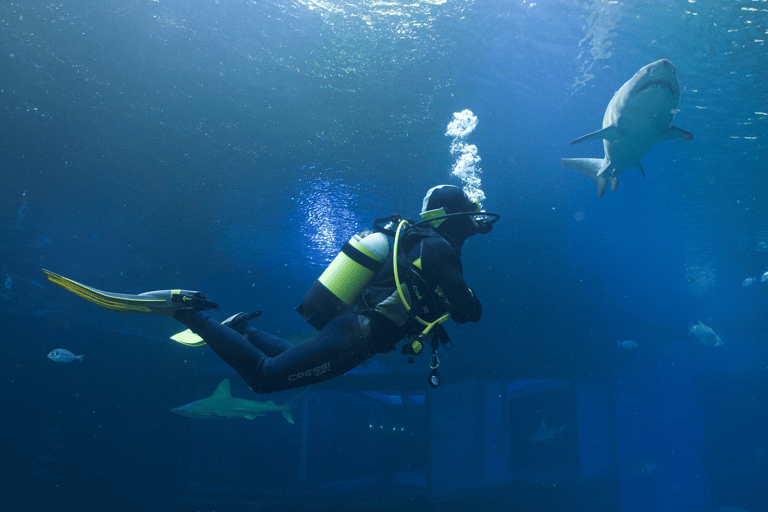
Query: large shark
{"points": [[222, 405], [639, 115]]}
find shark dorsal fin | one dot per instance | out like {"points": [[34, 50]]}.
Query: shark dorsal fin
{"points": [[222, 391]]}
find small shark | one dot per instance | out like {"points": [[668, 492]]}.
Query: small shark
{"points": [[222, 405], [545, 433], [638, 116]]}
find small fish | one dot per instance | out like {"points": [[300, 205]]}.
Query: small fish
{"points": [[626, 344], [749, 282], [62, 355], [764, 277], [646, 467], [8, 282], [705, 334]]}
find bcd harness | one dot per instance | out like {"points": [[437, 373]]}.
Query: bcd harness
{"points": [[427, 297]]}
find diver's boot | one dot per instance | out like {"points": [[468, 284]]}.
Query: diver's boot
{"points": [[239, 322]]}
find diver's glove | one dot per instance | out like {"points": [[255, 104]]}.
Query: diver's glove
{"points": [[239, 322]]}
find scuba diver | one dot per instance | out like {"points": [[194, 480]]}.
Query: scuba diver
{"points": [[401, 281]]}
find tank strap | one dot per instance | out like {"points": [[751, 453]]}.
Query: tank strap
{"points": [[361, 258]]}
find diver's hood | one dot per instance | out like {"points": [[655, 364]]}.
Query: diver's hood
{"points": [[454, 213]]}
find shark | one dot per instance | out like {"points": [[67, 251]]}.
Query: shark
{"points": [[638, 116], [221, 404], [545, 433]]}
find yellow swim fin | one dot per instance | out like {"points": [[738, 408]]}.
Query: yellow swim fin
{"points": [[188, 338], [160, 302]]}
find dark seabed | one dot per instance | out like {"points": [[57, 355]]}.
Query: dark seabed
{"points": [[233, 146]]}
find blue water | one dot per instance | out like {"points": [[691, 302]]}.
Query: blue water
{"points": [[233, 147]]}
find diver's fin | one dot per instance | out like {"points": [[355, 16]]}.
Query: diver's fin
{"points": [[188, 338], [160, 302]]}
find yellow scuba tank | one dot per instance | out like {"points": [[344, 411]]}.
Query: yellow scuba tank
{"points": [[345, 278]]}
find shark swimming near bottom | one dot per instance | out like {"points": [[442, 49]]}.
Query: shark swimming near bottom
{"points": [[638, 116], [545, 433], [223, 405]]}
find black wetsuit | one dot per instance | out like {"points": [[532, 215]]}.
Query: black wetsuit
{"points": [[268, 363]]}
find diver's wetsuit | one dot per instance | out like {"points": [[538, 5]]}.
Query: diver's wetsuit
{"points": [[268, 363]]}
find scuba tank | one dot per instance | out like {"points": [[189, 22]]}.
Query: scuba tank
{"points": [[341, 284]]}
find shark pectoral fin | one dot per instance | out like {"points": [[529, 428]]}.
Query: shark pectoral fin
{"points": [[614, 183], [673, 132], [288, 417], [592, 167], [608, 133], [639, 166], [251, 416]]}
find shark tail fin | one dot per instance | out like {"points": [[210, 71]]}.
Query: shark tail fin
{"points": [[592, 167]]}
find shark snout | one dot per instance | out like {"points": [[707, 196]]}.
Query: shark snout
{"points": [[662, 66]]}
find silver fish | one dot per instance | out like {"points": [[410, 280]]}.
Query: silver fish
{"points": [[626, 344], [62, 355], [764, 277], [749, 282], [705, 334]]}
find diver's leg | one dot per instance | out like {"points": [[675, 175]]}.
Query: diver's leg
{"points": [[228, 344], [338, 348], [270, 344]]}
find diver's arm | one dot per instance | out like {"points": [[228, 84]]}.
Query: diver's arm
{"points": [[442, 265]]}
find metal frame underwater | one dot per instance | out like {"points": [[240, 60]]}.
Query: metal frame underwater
{"points": [[622, 441], [360, 442]]}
